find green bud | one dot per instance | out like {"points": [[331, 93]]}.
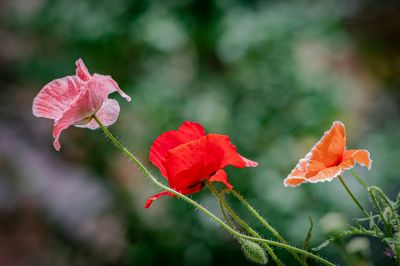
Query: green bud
{"points": [[387, 213], [253, 252]]}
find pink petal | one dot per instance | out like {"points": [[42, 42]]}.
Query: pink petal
{"points": [[221, 176], [110, 85], [81, 71], [87, 104], [107, 115], [56, 97]]}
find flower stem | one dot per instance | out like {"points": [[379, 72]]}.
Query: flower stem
{"points": [[262, 220], [387, 201], [224, 205], [353, 197], [378, 208], [359, 179], [200, 207]]}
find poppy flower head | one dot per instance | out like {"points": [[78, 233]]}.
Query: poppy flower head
{"points": [[327, 159], [73, 100], [188, 156]]}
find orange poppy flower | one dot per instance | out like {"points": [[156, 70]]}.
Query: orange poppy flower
{"points": [[327, 159]]}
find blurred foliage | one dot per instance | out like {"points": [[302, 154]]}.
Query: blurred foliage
{"points": [[271, 74]]}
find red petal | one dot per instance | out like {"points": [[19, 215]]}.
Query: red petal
{"points": [[221, 176], [56, 97], [153, 198], [81, 71], [188, 131], [221, 146], [190, 164], [195, 161]]}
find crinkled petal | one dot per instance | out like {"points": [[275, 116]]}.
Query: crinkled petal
{"points": [[107, 115], [155, 197], [110, 85], [78, 113], [360, 156], [298, 175], [81, 70], [188, 131], [56, 97], [197, 160], [329, 149], [221, 145], [221, 176], [326, 174]]}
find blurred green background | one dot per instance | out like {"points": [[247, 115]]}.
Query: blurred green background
{"points": [[273, 75]]}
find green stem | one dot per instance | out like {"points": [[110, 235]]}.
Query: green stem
{"points": [[388, 202], [359, 179], [233, 214], [378, 208], [353, 197], [262, 220], [200, 207]]}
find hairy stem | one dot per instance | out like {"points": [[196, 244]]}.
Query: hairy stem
{"points": [[261, 220], [224, 205], [200, 207]]}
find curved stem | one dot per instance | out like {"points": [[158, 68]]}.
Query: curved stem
{"points": [[353, 197], [200, 207], [225, 205], [262, 220]]}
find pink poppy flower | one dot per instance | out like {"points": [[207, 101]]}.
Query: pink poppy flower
{"points": [[73, 100]]}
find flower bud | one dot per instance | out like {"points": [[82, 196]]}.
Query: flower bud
{"points": [[253, 252]]}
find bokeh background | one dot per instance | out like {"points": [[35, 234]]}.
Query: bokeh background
{"points": [[271, 74]]}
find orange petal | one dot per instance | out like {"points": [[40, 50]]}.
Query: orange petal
{"points": [[298, 174], [326, 174], [328, 151], [360, 156]]}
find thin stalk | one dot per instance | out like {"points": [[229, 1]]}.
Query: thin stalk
{"points": [[236, 217], [378, 208], [221, 205], [353, 197], [359, 179], [200, 207], [262, 220]]}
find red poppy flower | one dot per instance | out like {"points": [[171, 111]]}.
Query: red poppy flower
{"points": [[327, 159], [187, 157], [73, 100]]}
